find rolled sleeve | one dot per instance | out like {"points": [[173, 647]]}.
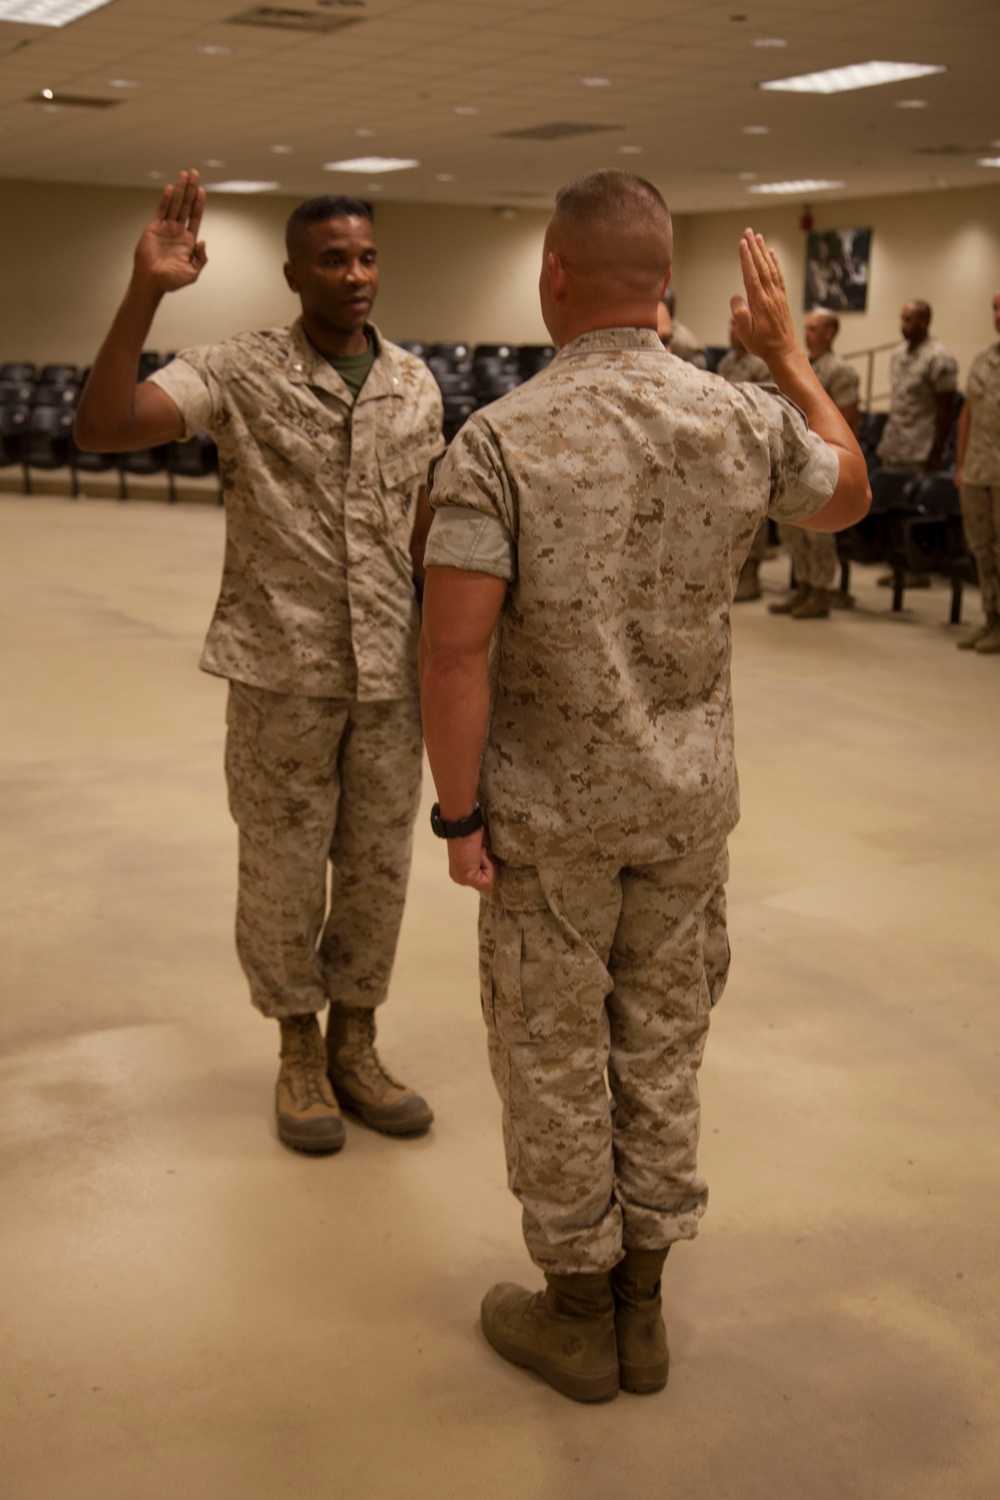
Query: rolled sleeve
{"points": [[804, 469], [943, 372], [189, 393], [467, 539]]}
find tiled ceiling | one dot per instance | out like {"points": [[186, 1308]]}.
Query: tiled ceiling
{"points": [[451, 82]]}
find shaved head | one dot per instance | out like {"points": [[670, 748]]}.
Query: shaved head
{"points": [[612, 231]]}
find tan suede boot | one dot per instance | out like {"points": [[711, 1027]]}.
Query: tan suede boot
{"points": [[816, 606], [566, 1334], [971, 640], [362, 1084], [989, 644], [308, 1117], [785, 606], [643, 1355], [748, 586]]}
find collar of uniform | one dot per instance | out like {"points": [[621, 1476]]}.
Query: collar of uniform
{"points": [[306, 366], [609, 339]]}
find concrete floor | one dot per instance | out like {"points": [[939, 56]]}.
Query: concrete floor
{"points": [[192, 1311]]}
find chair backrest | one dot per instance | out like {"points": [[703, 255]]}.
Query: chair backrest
{"points": [[16, 371], [55, 395], [449, 351], [16, 392], [57, 374], [13, 421], [47, 437]]}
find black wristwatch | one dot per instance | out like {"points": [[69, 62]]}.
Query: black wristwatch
{"points": [[459, 828]]}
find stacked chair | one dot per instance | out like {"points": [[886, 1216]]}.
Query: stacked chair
{"points": [[914, 524], [37, 409]]}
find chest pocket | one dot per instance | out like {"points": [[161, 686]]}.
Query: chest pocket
{"points": [[305, 450]]}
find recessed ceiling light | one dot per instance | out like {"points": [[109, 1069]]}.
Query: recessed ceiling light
{"points": [[630, 150], [371, 164], [47, 94], [47, 12], [910, 103], [374, 187], [465, 109], [364, 130], [445, 177], [236, 185], [770, 41], [756, 130], [857, 76], [213, 161], [596, 83], [747, 176], [156, 176], [212, 51], [282, 150], [989, 161], [806, 185], [121, 83]]}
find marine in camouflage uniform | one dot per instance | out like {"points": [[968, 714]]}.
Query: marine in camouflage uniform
{"points": [[324, 431], [923, 378], [591, 527], [739, 366], [813, 553], [978, 478]]}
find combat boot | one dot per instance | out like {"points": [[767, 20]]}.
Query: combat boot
{"points": [[989, 644], [643, 1355], [816, 606], [566, 1334], [308, 1117], [362, 1084], [972, 639], [748, 586], [785, 606]]}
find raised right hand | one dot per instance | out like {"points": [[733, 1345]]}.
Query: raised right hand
{"points": [[169, 254], [763, 319]]}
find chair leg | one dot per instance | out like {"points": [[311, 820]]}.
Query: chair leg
{"points": [[898, 578], [955, 618]]}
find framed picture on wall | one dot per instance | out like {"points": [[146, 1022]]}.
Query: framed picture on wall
{"points": [[837, 269]]}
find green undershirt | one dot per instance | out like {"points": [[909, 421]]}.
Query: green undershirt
{"points": [[353, 368]]}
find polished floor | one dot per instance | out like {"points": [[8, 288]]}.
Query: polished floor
{"points": [[189, 1310]]}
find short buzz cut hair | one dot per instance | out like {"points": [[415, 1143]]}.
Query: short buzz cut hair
{"points": [[830, 319], [318, 210], [609, 194]]}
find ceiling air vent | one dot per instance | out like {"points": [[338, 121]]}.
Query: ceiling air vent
{"points": [[289, 18], [559, 130], [71, 101]]}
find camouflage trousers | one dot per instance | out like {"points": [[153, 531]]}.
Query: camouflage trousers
{"points": [[981, 524], [758, 547], [597, 987], [813, 554], [317, 783]]}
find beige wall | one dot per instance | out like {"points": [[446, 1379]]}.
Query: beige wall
{"points": [[465, 273], [447, 273], [943, 247]]}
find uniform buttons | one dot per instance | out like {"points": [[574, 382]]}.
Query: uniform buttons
{"points": [[395, 380], [297, 369]]}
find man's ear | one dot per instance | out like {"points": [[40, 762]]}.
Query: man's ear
{"points": [[557, 276], [289, 269]]}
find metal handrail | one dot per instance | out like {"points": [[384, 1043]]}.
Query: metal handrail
{"points": [[869, 355]]}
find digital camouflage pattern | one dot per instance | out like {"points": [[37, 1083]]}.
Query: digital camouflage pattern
{"points": [[313, 780], [625, 488], [320, 494], [686, 344], [740, 368], [814, 553], [916, 376], [982, 449], [591, 969]]}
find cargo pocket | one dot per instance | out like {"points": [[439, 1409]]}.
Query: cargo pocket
{"points": [[520, 1000]]}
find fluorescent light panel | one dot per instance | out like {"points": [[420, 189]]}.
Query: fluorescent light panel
{"points": [[47, 12], [370, 164], [807, 185], [857, 76], [238, 186]]}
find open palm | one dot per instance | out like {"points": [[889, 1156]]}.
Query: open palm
{"points": [[169, 251]]}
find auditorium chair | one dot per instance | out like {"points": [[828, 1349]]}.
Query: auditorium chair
{"points": [[48, 393], [16, 392], [534, 357], [58, 375], [194, 459], [13, 421], [18, 372], [47, 442]]}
